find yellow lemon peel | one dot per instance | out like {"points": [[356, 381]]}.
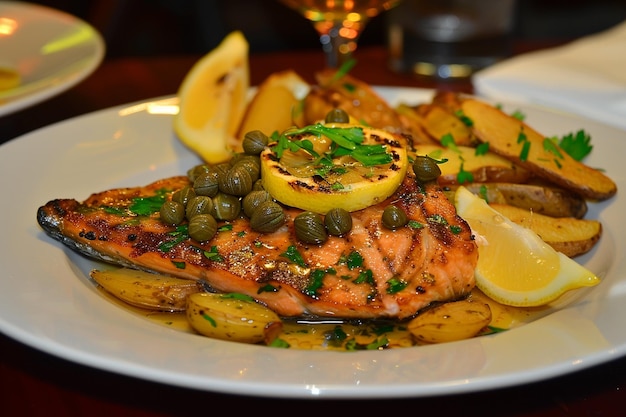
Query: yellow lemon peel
{"points": [[213, 99], [515, 267]]}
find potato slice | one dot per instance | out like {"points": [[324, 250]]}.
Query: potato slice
{"points": [[488, 167], [571, 236], [232, 317], [276, 105], [518, 142], [439, 122], [147, 290], [451, 321], [352, 95], [541, 199]]}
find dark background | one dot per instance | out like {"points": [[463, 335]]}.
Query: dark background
{"points": [[149, 27]]}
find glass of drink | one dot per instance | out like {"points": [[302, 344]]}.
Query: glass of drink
{"points": [[339, 23]]}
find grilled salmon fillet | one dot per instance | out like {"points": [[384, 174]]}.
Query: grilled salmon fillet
{"points": [[369, 273]]}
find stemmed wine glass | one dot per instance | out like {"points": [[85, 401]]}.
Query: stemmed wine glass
{"points": [[339, 23]]}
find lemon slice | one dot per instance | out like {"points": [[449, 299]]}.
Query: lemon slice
{"points": [[298, 180], [515, 267], [9, 78], [213, 99]]}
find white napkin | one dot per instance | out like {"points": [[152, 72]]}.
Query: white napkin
{"points": [[586, 77]]}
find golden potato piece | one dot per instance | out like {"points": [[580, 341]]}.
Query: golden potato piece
{"points": [[541, 199], [515, 140], [488, 167], [145, 289], [451, 321], [276, 105], [352, 95], [230, 317], [571, 236]]}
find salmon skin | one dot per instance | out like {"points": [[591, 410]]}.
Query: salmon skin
{"points": [[371, 272]]}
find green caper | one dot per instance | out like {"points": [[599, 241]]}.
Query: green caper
{"points": [[337, 115], [394, 217], [250, 163], [172, 212], [196, 171], [183, 195], [254, 142], [338, 221], [258, 185], [425, 168], [237, 181], [309, 228], [253, 200], [207, 184], [267, 217], [226, 206], [202, 227], [200, 204]]}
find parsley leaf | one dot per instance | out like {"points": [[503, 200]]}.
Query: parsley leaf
{"points": [[577, 145]]}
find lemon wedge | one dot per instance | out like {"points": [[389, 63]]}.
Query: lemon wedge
{"points": [[9, 78], [299, 180], [515, 267], [213, 99]]}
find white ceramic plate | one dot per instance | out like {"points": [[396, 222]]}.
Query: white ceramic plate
{"points": [[47, 300], [52, 51]]}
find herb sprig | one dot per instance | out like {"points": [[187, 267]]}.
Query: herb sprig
{"points": [[346, 141]]}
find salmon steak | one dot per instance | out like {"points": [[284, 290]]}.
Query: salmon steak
{"points": [[371, 272]]}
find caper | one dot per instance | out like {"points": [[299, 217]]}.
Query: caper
{"points": [[252, 164], [258, 185], [267, 217], [200, 204], [202, 227], [394, 217], [338, 221], [172, 212], [337, 115], [254, 142], [309, 228], [237, 181], [196, 171], [226, 206], [207, 184], [183, 195], [253, 200], [426, 168]]}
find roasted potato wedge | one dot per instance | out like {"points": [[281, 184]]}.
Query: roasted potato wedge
{"points": [[451, 321], [569, 235], [276, 105], [147, 290], [518, 142], [488, 167], [541, 199], [230, 317], [414, 125], [439, 121], [354, 96]]}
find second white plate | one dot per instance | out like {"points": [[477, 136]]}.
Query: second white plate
{"points": [[52, 51]]}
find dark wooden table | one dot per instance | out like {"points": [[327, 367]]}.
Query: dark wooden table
{"points": [[33, 383]]}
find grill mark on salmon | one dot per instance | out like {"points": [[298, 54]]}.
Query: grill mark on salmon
{"points": [[402, 271]]}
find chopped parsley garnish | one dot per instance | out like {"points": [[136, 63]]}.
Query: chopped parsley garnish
{"points": [[294, 256], [577, 145], [395, 285], [213, 254], [346, 141], [181, 233], [145, 206]]}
